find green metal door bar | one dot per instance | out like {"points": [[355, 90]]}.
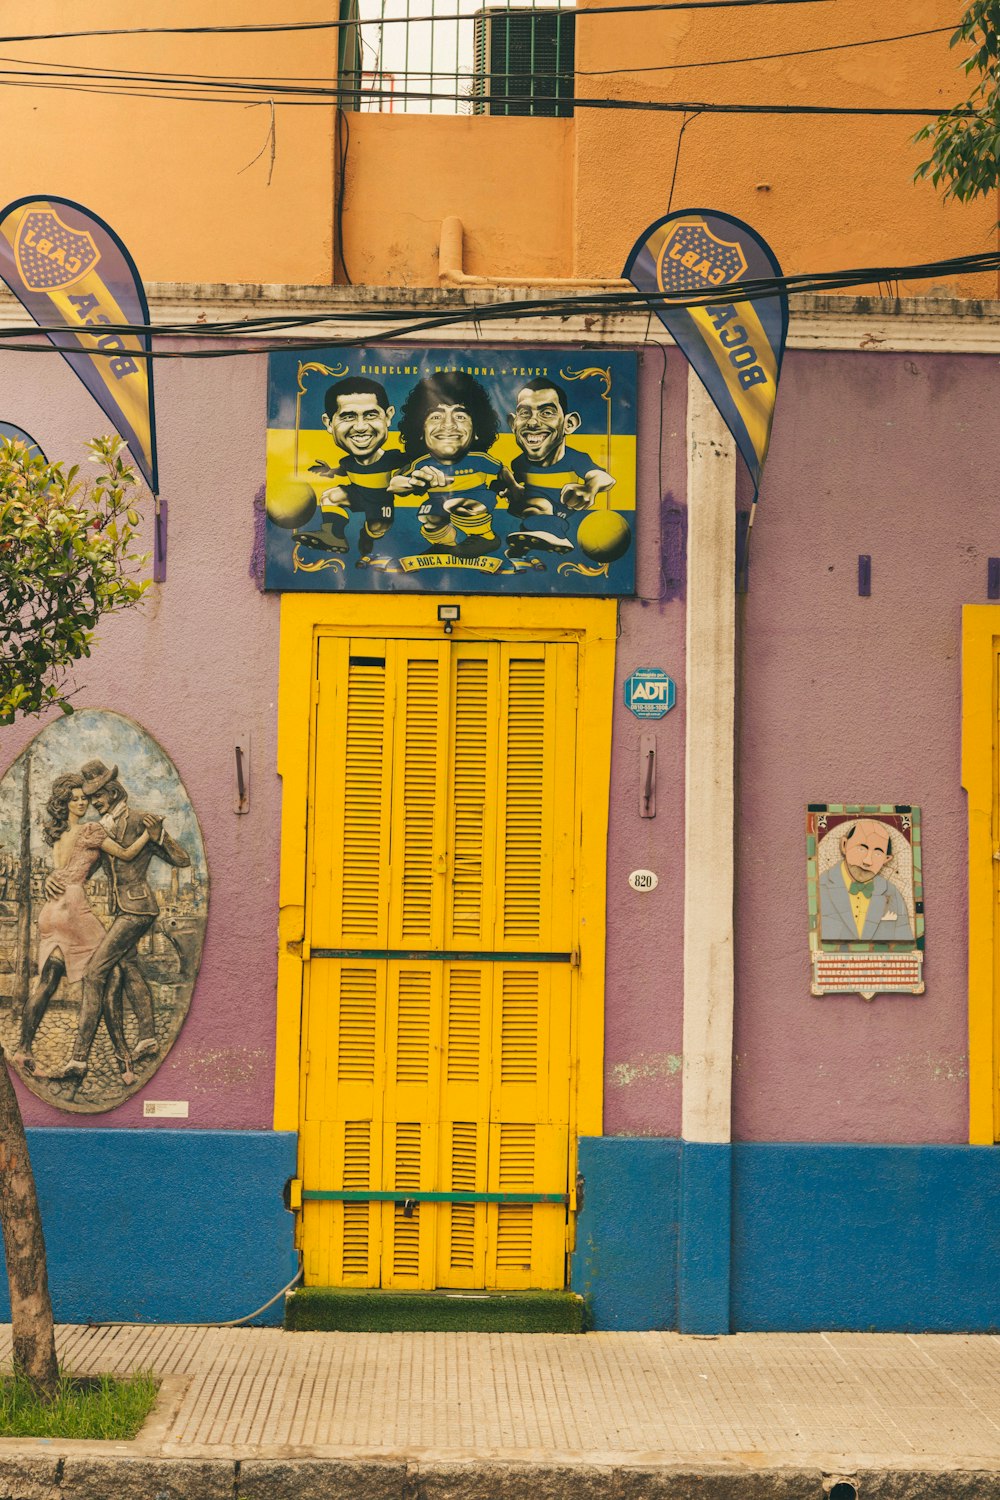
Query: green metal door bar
{"points": [[402, 1195], [444, 955]]}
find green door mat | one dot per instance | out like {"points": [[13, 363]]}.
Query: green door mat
{"points": [[360, 1310]]}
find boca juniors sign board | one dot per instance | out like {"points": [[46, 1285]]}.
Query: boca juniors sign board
{"points": [[445, 470]]}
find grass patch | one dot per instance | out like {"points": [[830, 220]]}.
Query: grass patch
{"points": [[99, 1406]]}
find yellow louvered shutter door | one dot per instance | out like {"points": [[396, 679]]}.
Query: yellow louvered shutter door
{"points": [[530, 1035], [469, 924], [416, 884], [345, 999], [441, 918]]}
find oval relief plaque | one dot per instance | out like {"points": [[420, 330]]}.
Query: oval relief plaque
{"points": [[103, 904]]}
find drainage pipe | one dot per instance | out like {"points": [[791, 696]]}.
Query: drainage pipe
{"points": [[451, 273]]}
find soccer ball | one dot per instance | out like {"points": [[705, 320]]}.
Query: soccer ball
{"points": [[290, 504], [604, 535]]}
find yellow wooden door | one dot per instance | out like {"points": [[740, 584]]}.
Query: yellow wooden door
{"points": [[995, 882], [441, 938]]}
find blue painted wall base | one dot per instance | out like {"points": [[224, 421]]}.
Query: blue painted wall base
{"points": [[703, 1242], [899, 1239], [625, 1262], [769, 1237], [166, 1226]]}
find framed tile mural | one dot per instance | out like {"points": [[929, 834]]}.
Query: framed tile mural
{"points": [[864, 871]]}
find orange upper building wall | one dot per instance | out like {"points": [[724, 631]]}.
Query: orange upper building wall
{"points": [[189, 185], [826, 192], [205, 191], [510, 181]]}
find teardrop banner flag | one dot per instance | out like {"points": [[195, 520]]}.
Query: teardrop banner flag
{"points": [[75, 278], [735, 347], [18, 435]]}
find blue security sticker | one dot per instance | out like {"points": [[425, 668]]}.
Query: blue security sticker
{"points": [[650, 693]]}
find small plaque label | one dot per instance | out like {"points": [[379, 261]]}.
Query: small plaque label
{"points": [[174, 1109], [643, 880]]}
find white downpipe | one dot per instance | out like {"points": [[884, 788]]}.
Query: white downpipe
{"points": [[709, 771]]}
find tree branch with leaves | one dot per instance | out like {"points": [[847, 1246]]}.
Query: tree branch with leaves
{"points": [[965, 154], [67, 558]]}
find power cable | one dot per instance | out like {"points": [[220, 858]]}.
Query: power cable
{"points": [[729, 62], [286, 26], [323, 97], [86, 72], [230, 1323], [392, 322], [688, 120], [343, 131]]}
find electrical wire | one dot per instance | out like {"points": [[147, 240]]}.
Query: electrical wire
{"points": [[188, 85], [286, 26], [729, 62], [230, 1323], [128, 75], [323, 97], [677, 158], [394, 324], [343, 131]]}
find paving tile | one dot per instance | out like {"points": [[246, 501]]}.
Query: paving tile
{"points": [[600, 1399]]}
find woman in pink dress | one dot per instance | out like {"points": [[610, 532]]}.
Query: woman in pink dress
{"points": [[68, 929]]}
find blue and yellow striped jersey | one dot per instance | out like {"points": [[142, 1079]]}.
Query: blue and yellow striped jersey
{"points": [[365, 484], [542, 483], [471, 477]]}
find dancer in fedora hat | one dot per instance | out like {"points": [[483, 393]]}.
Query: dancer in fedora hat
{"points": [[133, 909]]}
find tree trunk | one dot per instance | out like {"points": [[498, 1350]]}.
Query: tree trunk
{"points": [[22, 969], [24, 1247]]}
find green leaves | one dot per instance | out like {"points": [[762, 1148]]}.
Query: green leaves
{"points": [[67, 559], [965, 151]]}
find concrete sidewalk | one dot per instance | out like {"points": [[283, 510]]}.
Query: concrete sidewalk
{"points": [[259, 1414]]}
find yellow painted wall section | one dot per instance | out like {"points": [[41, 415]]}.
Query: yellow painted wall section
{"points": [[178, 180], [509, 181], [825, 192]]}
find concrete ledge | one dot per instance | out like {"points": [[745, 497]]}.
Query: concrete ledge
{"points": [[872, 325], [137, 1479], [319, 1479], [53, 1478]]}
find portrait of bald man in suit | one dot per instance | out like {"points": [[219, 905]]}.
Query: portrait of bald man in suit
{"points": [[857, 902]]}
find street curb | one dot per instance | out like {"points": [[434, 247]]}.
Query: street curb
{"points": [[25, 1477]]}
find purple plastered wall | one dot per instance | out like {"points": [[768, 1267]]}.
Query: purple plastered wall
{"points": [[859, 700], [196, 665], [645, 978]]}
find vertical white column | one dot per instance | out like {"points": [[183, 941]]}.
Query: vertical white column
{"points": [[709, 771]]}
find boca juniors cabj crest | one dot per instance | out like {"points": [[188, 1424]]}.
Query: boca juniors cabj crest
{"points": [[49, 253], [445, 470], [735, 346], [77, 280]]}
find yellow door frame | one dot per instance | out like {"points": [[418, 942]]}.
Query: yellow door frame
{"points": [[592, 623], [980, 649]]}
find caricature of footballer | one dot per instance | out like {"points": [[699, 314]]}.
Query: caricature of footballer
{"points": [[551, 480], [447, 426], [357, 416]]}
